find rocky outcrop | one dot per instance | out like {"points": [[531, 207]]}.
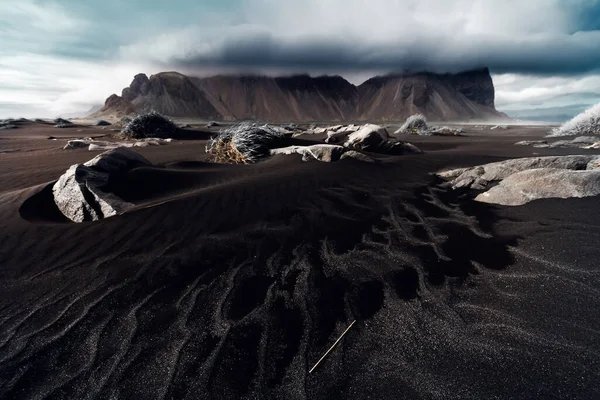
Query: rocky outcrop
{"points": [[172, 94], [542, 183], [319, 152], [518, 181], [582, 142], [475, 85], [437, 97], [468, 95], [81, 193], [369, 137]]}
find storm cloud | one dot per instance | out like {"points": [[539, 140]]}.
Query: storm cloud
{"points": [[578, 53], [65, 54]]}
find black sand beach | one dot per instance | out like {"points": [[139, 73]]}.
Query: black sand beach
{"points": [[231, 281]]}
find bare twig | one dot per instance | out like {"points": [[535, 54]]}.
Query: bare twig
{"points": [[331, 348]]}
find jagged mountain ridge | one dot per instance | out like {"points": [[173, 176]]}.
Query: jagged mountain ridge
{"points": [[468, 95]]}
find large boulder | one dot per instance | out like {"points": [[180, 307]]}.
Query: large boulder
{"points": [[518, 181], [541, 183], [368, 137], [480, 176], [375, 138], [340, 133], [81, 193]]}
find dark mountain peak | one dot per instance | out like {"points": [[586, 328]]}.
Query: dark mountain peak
{"points": [[112, 99], [452, 96], [139, 86], [476, 84], [167, 75]]}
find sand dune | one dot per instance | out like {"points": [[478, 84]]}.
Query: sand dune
{"points": [[231, 281]]}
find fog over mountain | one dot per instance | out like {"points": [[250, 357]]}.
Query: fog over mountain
{"points": [[537, 51]]}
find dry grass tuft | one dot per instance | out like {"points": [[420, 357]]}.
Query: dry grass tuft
{"points": [[245, 143]]}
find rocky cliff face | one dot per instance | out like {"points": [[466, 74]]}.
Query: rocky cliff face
{"points": [[468, 95], [438, 97], [476, 85]]}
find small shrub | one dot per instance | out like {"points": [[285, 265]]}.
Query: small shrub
{"points": [[586, 123], [62, 123], [244, 143], [415, 124], [101, 123], [151, 124]]}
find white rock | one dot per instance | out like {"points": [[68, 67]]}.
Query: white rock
{"points": [[369, 136], [542, 183], [80, 192], [320, 152], [493, 172], [525, 179]]}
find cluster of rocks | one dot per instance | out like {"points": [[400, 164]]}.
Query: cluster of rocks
{"points": [[582, 142], [519, 181], [100, 145], [82, 193], [247, 143], [369, 137]]}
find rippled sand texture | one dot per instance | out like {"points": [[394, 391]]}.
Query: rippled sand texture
{"points": [[232, 281]]}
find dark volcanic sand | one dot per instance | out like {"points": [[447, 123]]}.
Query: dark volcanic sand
{"points": [[231, 281]]}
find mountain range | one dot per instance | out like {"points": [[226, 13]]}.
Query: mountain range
{"points": [[301, 98]]}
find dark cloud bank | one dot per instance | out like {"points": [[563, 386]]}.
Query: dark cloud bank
{"points": [[574, 54]]}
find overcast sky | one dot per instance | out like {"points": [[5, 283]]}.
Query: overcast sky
{"points": [[61, 56]]}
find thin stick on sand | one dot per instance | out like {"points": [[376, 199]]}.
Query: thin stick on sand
{"points": [[332, 346]]}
